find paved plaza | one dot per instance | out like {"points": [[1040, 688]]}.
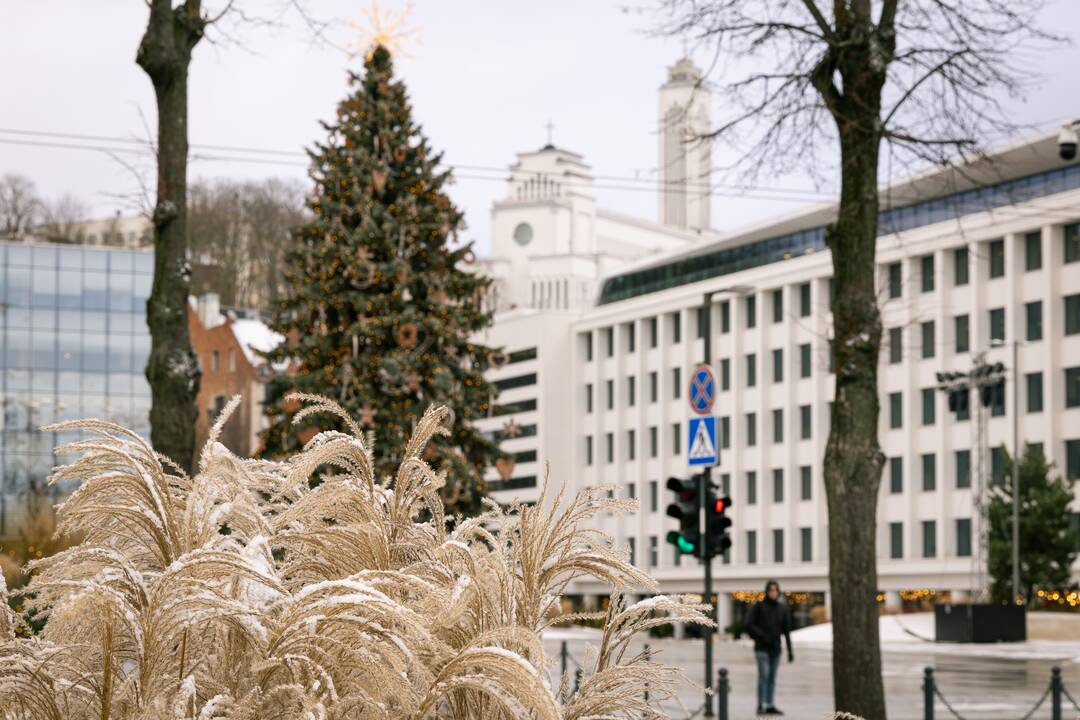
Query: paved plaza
{"points": [[994, 683]]}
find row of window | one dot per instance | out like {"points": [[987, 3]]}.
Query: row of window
{"points": [[1033, 329], [995, 266]]}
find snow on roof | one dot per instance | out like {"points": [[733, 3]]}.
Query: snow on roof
{"points": [[254, 337]]}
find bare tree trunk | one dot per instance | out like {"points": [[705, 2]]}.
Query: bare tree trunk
{"points": [[172, 370], [853, 458]]}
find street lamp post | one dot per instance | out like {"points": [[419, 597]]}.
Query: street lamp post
{"points": [[1016, 472]]}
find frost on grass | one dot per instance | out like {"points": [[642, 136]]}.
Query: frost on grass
{"points": [[249, 591]]}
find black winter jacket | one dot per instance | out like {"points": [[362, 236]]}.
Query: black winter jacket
{"points": [[765, 623]]}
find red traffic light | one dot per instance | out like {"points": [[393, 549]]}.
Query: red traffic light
{"points": [[721, 504]]}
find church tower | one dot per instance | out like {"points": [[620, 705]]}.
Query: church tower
{"points": [[685, 161]]}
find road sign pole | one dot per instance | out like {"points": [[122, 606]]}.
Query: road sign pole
{"points": [[706, 478]]}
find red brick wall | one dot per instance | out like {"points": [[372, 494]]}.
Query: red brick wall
{"points": [[237, 377]]}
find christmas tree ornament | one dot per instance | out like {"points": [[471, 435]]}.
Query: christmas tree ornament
{"points": [[497, 359], [505, 466], [399, 153], [412, 381], [406, 335], [469, 257], [378, 179], [511, 429]]}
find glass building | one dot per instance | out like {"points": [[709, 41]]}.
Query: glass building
{"points": [[74, 345]]}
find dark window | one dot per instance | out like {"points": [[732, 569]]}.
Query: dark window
{"points": [[725, 432], [522, 355], [588, 449], [751, 370], [610, 385], [1072, 242], [631, 444], [1072, 459], [997, 258], [702, 321], [725, 374], [654, 386], [631, 337], [896, 475], [654, 551], [676, 439], [609, 333], [751, 488], [805, 540], [751, 547], [778, 306], [960, 266], [676, 382], [631, 388], [778, 425], [631, 490], [896, 410], [751, 311], [895, 281], [654, 501], [963, 468], [725, 317], [896, 345], [588, 398], [654, 333], [725, 483], [929, 539], [1034, 388], [804, 300], [516, 381], [963, 333], [896, 540], [1033, 315], [633, 550], [519, 406], [751, 429], [609, 443], [778, 366], [806, 482], [804, 422], [929, 472], [804, 360], [1072, 387], [963, 537], [778, 485], [654, 444], [778, 545], [926, 273], [1072, 314], [997, 324], [1033, 251], [997, 465], [675, 319], [928, 339], [929, 398]]}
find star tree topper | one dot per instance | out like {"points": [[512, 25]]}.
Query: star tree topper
{"points": [[385, 29]]}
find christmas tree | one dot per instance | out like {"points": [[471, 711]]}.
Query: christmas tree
{"points": [[1047, 536], [378, 309]]}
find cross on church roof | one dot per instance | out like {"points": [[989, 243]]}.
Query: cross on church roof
{"points": [[549, 127]]}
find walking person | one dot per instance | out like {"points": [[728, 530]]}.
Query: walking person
{"points": [[765, 623]]}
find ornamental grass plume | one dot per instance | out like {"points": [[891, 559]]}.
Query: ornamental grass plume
{"points": [[310, 588]]}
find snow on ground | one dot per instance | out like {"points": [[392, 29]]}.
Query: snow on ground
{"points": [[915, 633]]}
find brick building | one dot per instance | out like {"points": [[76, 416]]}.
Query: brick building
{"points": [[227, 346]]}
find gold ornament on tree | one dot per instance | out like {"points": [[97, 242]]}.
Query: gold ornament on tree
{"points": [[407, 334], [511, 429], [382, 29], [505, 466]]}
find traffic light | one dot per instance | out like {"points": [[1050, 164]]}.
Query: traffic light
{"points": [[685, 509], [717, 523]]}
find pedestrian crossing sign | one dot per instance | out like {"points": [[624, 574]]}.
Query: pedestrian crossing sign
{"points": [[702, 437]]}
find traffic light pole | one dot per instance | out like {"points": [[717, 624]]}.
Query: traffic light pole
{"points": [[706, 546]]}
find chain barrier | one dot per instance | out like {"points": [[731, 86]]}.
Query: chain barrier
{"points": [[947, 704], [1065, 692], [1038, 704]]}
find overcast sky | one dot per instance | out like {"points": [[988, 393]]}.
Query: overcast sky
{"points": [[485, 76]]}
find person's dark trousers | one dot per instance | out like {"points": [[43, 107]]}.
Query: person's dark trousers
{"points": [[766, 677]]}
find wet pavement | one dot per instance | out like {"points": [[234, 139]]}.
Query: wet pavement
{"points": [[978, 687]]}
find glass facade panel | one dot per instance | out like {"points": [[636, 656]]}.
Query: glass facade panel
{"points": [[75, 344]]}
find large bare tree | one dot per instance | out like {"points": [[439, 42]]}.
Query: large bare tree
{"points": [[805, 82], [173, 29]]}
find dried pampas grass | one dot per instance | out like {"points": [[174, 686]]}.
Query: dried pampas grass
{"points": [[310, 588]]}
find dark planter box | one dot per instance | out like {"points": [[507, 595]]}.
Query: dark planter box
{"points": [[980, 623]]}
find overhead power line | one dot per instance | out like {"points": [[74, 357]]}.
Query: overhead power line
{"points": [[621, 182]]}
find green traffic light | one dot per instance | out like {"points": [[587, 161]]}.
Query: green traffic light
{"points": [[685, 545]]}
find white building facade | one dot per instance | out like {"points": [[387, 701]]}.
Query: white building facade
{"points": [[963, 270]]}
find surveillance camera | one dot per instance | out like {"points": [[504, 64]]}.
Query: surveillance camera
{"points": [[1067, 140]]}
